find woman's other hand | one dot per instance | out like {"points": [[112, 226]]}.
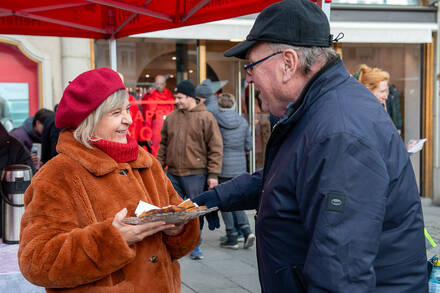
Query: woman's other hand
{"points": [[175, 230], [133, 234]]}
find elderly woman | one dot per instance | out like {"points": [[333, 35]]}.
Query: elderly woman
{"points": [[376, 80], [72, 234]]}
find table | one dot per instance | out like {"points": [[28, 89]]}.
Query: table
{"points": [[11, 279]]}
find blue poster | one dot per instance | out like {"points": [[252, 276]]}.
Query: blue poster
{"points": [[14, 103]]}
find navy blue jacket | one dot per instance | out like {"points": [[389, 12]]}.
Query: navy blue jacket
{"points": [[338, 208]]}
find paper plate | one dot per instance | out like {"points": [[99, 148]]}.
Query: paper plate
{"points": [[169, 218]]}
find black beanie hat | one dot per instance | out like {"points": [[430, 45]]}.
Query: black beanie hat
{"points": [[187, 88]]}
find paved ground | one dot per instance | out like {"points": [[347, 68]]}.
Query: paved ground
{"points": [[431, 215], [235, 271], [221, 270]]}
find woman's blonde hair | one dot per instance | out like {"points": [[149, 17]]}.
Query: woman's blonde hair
{"points": [[85, 131], [226, 100], [371, 77]]}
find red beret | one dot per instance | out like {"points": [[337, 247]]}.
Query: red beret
{"points": [[84, 94]]}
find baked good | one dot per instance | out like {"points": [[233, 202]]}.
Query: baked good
{"points": [[184, 206]]}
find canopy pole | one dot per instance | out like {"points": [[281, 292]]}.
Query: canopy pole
{"points": [[113, 56]]}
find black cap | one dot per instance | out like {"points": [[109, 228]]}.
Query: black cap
{"points": [[292, 22], [187, 88]]}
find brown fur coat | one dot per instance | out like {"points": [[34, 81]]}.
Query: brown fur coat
{"points": [[67, 238]]}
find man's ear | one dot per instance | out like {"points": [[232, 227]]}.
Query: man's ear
{"points": [[290, 64]]}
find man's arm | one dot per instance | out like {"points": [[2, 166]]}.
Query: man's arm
{"points": [[342, 188], [241, 193]]}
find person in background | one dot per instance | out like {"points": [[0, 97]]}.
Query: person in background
{"points": [[72, 235], [191, 147], [206, 95], [5, 116], [49, 138], [393, 107], [338, 208], [160, 103], [236, 137], [30, 132], [376, 80], [12, 151], [32, 128]]}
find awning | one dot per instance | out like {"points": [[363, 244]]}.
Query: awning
{"points": [[101, 19], [354, 32]]}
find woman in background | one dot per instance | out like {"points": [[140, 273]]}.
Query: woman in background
{"points": [[376, 80]]}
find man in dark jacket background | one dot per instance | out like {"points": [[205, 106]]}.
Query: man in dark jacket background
{"points": [[338, 208], [12, 151]]}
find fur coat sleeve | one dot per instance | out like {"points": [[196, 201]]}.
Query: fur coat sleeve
{"points": [[55, 249]]}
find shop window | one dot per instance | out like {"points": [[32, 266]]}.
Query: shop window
{"points": [[18, 86]]}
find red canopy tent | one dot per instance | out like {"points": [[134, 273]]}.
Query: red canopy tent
{"points": [[112, 19], [102, 19]]}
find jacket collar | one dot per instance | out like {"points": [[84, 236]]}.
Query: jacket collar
{"points": [[198, 108], [329, 76], [95, 160]]}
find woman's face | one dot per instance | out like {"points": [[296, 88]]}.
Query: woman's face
{"points": [[381, 92], [113, 126]]}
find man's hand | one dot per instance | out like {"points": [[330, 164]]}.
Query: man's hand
{"points": [[210, 199], [211, 183], [133, 234]]}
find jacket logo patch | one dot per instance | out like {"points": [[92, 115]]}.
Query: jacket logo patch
{"points": [[336, 202]]}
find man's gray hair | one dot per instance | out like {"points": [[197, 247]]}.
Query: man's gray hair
{"points": [[85, 131], [308, 56]]}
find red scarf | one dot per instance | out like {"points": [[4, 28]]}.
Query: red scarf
{"points": [[120, 152]]}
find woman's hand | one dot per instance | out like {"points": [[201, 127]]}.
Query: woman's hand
{"points": [[175, 230], [133, 234]]}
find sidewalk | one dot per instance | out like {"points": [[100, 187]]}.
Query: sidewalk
{"points": [[235, 271], [221, 270], [431, 216]]}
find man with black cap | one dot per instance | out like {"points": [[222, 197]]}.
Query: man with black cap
{"points": [[191, 147], [338, 208]]}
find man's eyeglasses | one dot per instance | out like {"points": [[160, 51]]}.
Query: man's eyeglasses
{"points": [[249, 68]]}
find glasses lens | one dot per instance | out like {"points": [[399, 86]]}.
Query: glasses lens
{"points": [[248, 69]]}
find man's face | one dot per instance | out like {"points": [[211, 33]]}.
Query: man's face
{"points": [[265, 77], [183, 102], [160, 83]]}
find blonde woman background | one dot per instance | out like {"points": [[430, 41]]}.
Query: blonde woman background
{"points": [[376, 80]]}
